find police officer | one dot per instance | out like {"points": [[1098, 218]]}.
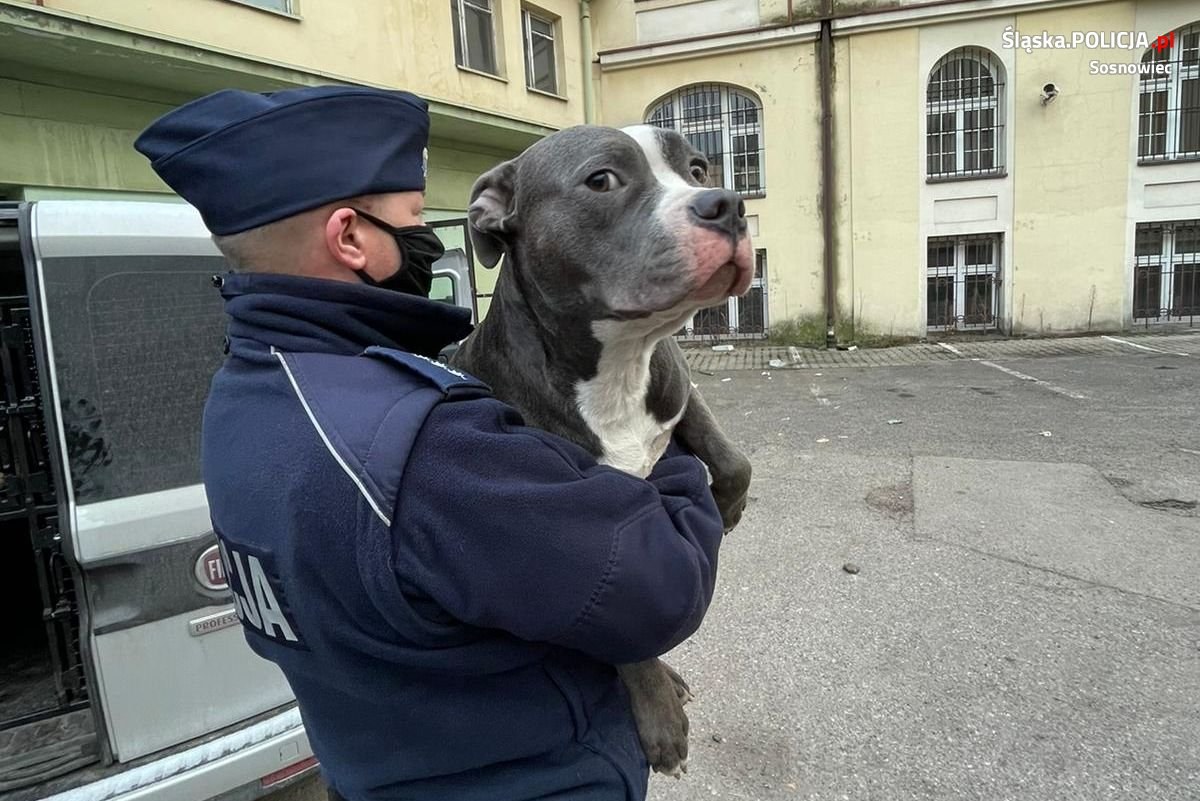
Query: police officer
{"points": [[445, 589]]}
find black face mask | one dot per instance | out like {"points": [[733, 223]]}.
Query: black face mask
{"points": [[419, 249]]}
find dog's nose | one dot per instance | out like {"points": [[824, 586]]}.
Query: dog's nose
{"points": [[720, 206]]}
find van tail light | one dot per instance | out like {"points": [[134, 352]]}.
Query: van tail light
{"points": [[291, 771]]}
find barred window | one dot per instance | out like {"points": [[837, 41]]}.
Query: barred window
{"points": [[723, 123], [1166, 272], [962, 282], [964, 132], [1169, 101]]}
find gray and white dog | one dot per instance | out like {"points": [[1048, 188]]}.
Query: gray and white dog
{"points": [[611, 242]]}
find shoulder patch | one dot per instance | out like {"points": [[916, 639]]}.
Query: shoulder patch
{"points": [[448, 379]]}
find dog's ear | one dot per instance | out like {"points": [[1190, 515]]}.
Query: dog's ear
{"points": [[491, 215]]}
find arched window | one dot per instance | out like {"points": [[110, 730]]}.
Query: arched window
{"points": [[1169, 106], [964, 132], [723, 123]]}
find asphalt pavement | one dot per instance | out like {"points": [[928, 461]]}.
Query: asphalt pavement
{"points": [[970, 576]]}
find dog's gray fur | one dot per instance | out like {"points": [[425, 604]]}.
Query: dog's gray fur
{"points": [[598, 273]]}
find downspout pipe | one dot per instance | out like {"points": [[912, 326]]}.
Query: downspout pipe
{"points": [[825, 72], [585, 39]]}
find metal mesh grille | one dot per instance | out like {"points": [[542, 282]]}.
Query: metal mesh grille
{"points": [[964, 132], [1166, 272], [27, 494], [723, 123], [962, 283], [26, 481], [1169, 104]]}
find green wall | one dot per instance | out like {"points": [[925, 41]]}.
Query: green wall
{"points": [[64, 138], [55, 136]]}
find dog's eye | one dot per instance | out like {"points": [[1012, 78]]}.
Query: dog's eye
{"points": [[602, 181], [700, 173]]}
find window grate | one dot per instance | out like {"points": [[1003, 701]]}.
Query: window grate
{"points": [[964, 120], [723, 123], [1169, 102], [963, 283], [1166, 272]]}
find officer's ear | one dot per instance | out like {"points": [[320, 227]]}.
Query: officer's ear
{"points": [[491, 216]]}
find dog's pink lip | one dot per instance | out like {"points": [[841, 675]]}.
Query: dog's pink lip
{"points": [[723, 283], [719, 284], [730, 279]]}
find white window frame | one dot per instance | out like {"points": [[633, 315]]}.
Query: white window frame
{"points": [[959, 272], [288, 10], [744, 129], [453, 284], [1171, 265], [1172, 85], [668, 113], [990, 65], [459, 10], [527, 15]]}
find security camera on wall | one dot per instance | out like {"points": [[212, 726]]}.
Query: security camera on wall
{"points": [[1049, 92]]}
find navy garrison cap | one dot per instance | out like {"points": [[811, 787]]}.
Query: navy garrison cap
{"points": [[245, 159]]}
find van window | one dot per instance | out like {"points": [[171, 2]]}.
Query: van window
{"points": [[136, 341], [443, 289]]}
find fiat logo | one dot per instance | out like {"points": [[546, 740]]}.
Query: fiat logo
{"points": [[210, 570]]}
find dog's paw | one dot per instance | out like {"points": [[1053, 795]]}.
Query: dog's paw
{"points": [[730, 504], [665, 742], [656, 697], [731, 489], [662, 728]]}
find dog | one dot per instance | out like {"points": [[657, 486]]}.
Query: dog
{"points": [[611, 242]]}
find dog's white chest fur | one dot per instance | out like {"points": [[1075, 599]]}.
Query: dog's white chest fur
{"points": [[613, 404]]}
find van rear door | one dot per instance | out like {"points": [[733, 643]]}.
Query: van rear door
{"points": [[132, 331]]}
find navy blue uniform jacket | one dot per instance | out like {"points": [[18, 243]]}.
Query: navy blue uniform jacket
{"points": [[445, 588]]}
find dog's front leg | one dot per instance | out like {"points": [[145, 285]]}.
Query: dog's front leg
{"points": [[657, 695], [730, 468]]}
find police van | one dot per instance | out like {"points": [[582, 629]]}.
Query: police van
{"points": [[123, 671]]}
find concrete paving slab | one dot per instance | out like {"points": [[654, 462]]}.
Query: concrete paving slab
{"points": [[1061, 517]]}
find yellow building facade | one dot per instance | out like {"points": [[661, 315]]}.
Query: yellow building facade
{"points": [[983, 174], [909, 169]]}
